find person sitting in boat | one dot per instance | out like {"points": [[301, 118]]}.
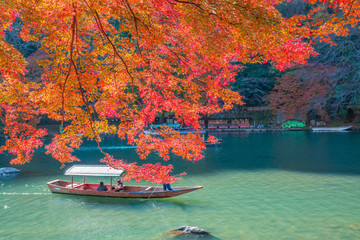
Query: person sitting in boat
{"points": [[102, 187], [119, 186], [167, 186]]}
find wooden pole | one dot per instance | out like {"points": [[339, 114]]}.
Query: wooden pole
{"points": [[84, 180], [72, 180], [110, 183]]}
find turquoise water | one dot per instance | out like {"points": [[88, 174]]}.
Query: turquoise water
{"points": [[286, 185]]}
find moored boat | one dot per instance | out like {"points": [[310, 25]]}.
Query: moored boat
{"points": [[90, 189], [330, 129]]}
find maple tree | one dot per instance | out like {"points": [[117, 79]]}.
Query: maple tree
{"points": [[302, 92], [133, 59]]}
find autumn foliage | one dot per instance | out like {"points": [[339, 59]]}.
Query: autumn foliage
{"points": [[302, 92], [134, 59]]}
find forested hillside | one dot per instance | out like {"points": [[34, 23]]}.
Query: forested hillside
{"points": [[327, 88]]}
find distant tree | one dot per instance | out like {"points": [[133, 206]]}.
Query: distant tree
{"points": [[12, 37], [254, 82], [302, 91], [344, 57], [337, 68], [296, 7]]}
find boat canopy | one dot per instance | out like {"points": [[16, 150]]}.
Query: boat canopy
{"points": [[93, 170]]}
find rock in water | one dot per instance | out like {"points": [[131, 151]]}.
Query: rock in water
{"points": [[8, 172], [192, 230], [188, 232]]}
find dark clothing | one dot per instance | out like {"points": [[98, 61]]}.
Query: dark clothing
{"points": [[102, 188], [167, 186], [119, 187]]}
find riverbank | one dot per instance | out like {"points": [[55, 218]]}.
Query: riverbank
{"points": [[254, 129], [268, 129], [54, 129]]}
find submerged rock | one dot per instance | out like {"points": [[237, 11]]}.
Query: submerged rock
{"points": [[8, 172], [193, 230], [188, 232]]}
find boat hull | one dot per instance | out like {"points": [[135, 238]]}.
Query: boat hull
{"points": [[330, 129], [88, 189]]}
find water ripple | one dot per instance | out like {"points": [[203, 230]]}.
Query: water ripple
{"points": [[14, 193]]}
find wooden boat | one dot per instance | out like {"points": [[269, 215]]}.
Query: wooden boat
{"points": [[90, 189], [330, 129]]}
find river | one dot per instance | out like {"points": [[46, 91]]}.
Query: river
{"points": [[266, 185]]}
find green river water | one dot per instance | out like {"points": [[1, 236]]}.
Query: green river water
{"points": [[281, 185]]}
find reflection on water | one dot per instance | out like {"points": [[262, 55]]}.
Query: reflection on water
{"points": [[285, 185], [119, 203], [295, 151], [104, 148], [18, 193]]}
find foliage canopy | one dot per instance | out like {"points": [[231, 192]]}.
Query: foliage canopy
{"points": [[133, 59]]}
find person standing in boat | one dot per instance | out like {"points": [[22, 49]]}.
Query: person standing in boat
{"points": [[166, 186], [102, 187]]}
